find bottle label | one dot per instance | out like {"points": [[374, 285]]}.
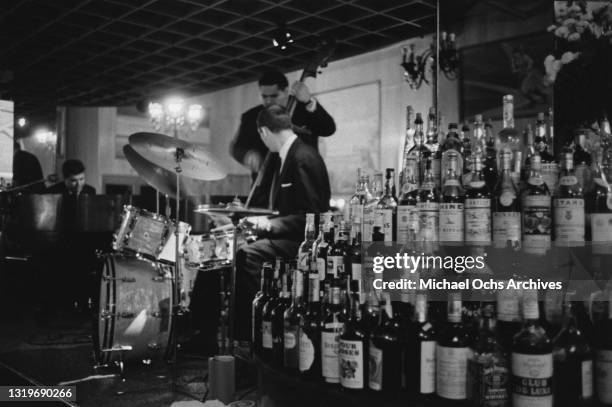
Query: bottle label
{"points": [[384, 219], [587, 379], [329, 353], [307, 352], [451, 222], [404, 213], [507, 197], [506, 228], [532, 380], [266, 334], [537, 220], [335, 265], [321, 266], [583, 175], [429, 220], [356, 213], [487, 383], [601, 227], [452, 182], [376, 367], [478, 220], [290, 344], [568, 180], [368, 222], [569, 220], [476, 184], [550, 174], [304, 261], [451, 372], [508, 305], [350, 354], [428, 367], [603, 373], [356, 273]]}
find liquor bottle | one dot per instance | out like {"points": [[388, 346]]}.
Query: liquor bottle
{"points": [[407, 212], [451, 148], [466, 149], [357, 202], [582, 160], [550, 169], [508, 136], [337, 257], [408, 143], [331, 328], [477, 207], [324, 247], [490, 165], [488, 368], [532, 359], [573, 363], [452, 353], [310, 332], [509, 319], [428, 207], [277, 315], [305, 249], [432, 145], [479, 139], [385, 362], [421, 354], [603, 360], [536, 204], [451, 207], [529, 151], [292, 318], [569, 211], [353, 350], [599, 211], [551, 131], [506, 216], [267, 338], [418, 150], [354, 261], [369, 209], [257, 306], [386, 210]]}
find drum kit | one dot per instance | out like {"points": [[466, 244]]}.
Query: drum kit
{"points": [[145, 280]]}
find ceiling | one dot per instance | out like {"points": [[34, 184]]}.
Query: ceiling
{"points": [[121, 52]]}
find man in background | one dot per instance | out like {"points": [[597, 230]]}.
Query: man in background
{"points": [[74, 180]]}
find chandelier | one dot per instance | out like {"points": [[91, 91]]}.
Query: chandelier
{"points": [[419, 68]]}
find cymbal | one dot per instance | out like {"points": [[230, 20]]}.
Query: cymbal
{"points": [[234, 209], [196, 161], [162, 180]]}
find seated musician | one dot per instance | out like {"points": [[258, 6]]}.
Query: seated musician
{"points": [[74, 180]]}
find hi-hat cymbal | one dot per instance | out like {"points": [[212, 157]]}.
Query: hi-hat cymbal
{"points": [[161, 150], [162, 180]]}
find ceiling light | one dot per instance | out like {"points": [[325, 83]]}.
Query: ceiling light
{"points": [[282, 38], [21, 122]]}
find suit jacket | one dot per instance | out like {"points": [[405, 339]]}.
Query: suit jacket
{"points": [[301, 187]]}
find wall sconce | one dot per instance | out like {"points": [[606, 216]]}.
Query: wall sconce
{"points": [[174, 114], [46, 138], [422, 68]]}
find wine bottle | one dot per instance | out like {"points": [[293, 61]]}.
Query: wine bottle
{"points": [[385, 356], [353, 350], [452, 205], [488, 366], [267, 339], [421, 354], [506, 214], [452, 353], [278, 319], [536, 204], [324, 247], [292, 319], [331, 328], [477, 207], [569, 216], [603, 360], [532, 359], [257, 306], [582, 160], [310, 333], [573, 362]]}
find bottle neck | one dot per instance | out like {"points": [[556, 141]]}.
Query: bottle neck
{"points": [[313, 288], [454, 308], [298, 286], [421, 308]]}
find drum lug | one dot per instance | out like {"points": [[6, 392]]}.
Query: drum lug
{"points": [[107, 315]]}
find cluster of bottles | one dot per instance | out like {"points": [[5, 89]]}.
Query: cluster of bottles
{"points": [[327, 328], [478, 188]]}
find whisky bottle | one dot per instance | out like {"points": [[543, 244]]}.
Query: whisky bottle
{"points": [[385, 215], [451, 148], [550, 169], [357, 202], [603, 360], [466, 149], [324, 247], [529, 151], [599, 211], [354, 260], [292, 319], [337, 257], [536, 204], [310, 333], [477, 207], [551, 131], [488, 367], [532, 359], [509, 137], [407, 212], [267, 338], [421, 354], [408, 143], [451, 207], [305, 249], [506, 216], [569, 211], [432, 145], [582, 160], [573, 363], [331, 328], [509, 319], [353, 350], [452, 353], [369, 209], [479, 136], [277, 315], [429, 207], [257, 306], [491, 164], [385, 360], [419, 151]]}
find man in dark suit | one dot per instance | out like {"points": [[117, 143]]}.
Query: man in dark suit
{"points": [[300, 185], [310, 121], [74, 180]]}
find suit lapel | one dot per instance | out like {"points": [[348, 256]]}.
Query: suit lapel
{"points": [[278, 178]]}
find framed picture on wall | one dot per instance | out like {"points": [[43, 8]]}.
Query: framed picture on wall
{"points": [[513, 66]]}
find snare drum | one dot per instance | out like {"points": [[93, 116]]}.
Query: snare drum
{"points": [[211, 250], [149, 235], [134, 310]]}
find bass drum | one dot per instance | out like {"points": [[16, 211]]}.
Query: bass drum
{"points": [[134, 318]]}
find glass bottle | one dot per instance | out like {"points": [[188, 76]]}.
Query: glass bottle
{"points": [[386, 210], [429, 207], [257, 306], [490, 164], [419, 151], [506, 213], [569, 211], [310, 333], [529, 151], [369, 210], [292, 318], [432, 145], [466, 148], [408, 143], [603, 360], [452, 205], [421, 354], [477, 207], [353, 350], [277, 315], [324, 247], [537, 216], [385, 361], [532, 359], [267, 339], [354, 261], [331, 328], [508, 136], [305, 249], [407, 212], [598, 204], [582, 159], [337, 257], [451, 147], [357, 202]]}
